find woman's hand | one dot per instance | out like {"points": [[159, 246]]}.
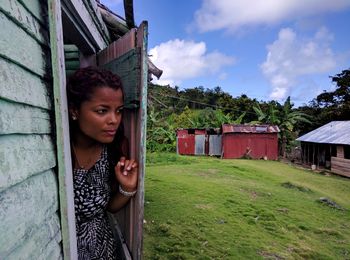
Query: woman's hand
{"points": [[126, 172]]}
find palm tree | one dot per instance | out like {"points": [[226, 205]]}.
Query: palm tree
{"points": [[289, 118], [285, 118]]}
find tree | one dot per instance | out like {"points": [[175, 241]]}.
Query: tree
{"points": [[285, 117], [288, 121], [336, 104]]}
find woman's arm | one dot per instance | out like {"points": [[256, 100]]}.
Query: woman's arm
{"points": [[126, 173]]}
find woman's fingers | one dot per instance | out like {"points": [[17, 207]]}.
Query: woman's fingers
{"points": [[122, 161], [126, 172], [126, 167], [131, 164]]}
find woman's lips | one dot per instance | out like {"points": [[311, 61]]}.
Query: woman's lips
{"points": [[110, 132]]}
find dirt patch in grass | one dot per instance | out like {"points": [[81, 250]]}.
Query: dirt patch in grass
{"points": [[290, 185], [270, 255], [208, 172], [203, 206]]}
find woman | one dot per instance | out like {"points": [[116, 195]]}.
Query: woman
{"points": [[104, 180]]}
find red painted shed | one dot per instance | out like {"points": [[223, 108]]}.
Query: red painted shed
{"points": [[252, 141], [185, 141], [192, 141]]}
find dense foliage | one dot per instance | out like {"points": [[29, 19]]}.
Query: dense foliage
{"points": [[171, 108]]}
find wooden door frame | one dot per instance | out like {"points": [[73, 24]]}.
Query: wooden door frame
{"points": [[90, 35], [72, 18]]}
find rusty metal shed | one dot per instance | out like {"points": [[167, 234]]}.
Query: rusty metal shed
{"points": [[190, 141], [214, 142], [328, 146], [198, 142], [250, 141]]}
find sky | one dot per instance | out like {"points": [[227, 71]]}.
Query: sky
{"points": [[266, 49]]}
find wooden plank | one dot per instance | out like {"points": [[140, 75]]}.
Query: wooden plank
{"points": [[127, 66], [340, 166], [37, 8], [24, 209], [340, 151], [96, 16], [20, 15], [18, 118], [19, 85], [65, 176], [341, 161], [340, 171], [142, 38], [81, 28], [22, 156], [117, 48], [54, 250], [338, 159], [41, 243], [28, 53]]}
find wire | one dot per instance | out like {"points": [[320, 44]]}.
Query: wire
{"points": [[158, 101], [208, 105]]}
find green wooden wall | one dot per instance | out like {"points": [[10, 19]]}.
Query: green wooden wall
{"points": [[29, 217]]}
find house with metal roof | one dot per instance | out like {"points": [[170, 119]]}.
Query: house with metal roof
{"points": [[328, 146], [250, 141]]}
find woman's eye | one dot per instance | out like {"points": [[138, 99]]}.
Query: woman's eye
{"points": [[101, 111], [120, 110]]}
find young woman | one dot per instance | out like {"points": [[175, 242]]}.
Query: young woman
{"points": [[104, 180]]}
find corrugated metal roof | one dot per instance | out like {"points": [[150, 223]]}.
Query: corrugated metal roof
{"points": [[250, 129], [199, 130], [335, 132]]}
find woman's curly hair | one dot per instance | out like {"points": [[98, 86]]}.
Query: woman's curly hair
{"points": [[83, 82]]}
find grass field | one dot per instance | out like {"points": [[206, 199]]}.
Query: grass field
{"points": [[208, 208]]}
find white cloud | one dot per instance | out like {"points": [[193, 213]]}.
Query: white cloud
{"points": [[232, 15], [291, 57], [223, 76], [181, 60]]}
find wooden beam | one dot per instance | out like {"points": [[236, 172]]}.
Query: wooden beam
{"points": [[81, 29], [64, 160], [129, 13], [142, 42]]}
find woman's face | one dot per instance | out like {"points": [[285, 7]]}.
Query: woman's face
{"points": [[99, 118]]}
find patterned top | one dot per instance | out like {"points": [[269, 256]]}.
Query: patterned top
{"points": [[91, 194]]}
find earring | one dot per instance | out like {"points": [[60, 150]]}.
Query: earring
{"points": [[74, 117]]}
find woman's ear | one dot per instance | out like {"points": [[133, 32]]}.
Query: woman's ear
{"points": [[73, 114]]}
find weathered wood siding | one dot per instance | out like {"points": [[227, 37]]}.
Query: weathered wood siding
{"points": [[340, 166], [29, 218], [340, 151]]}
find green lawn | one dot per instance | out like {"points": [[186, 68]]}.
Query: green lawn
{"points": [[208, 208]]}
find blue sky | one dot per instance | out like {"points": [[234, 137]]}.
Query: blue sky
{"points": [[266, 49]]}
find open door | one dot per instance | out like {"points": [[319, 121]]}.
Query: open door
{"points": [[127, 57], [75, 41]]}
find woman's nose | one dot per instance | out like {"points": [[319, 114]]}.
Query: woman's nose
{"points": [[114, 118]]}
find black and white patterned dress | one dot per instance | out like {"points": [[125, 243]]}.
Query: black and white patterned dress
{"points": [[91, 194]]}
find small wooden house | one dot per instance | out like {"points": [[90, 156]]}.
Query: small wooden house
{"points": [[41, 42], [328, 146], [250, 141]]}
